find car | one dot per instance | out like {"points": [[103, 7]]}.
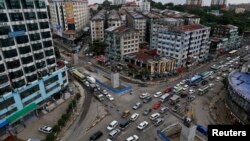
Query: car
{"points": [[184, 89], [157, 105], [108, 140], [204, 82], [183, 95], [191, 91], [124, 124], [211, 84], [176, 107], [144, 95], [45, 129], [154, 116], [112, 125], [181, 83], [95, 136], [142, 125], [133, 138], [134, 117], [100, 97], [105, 92], [86, 83], [185, 86], [137, 106], [224, 75], [125, 114], [218, 79], [114, 133], [147, 111], [163, 110], [111, 98], [98, 87], [158, 121], [147, 99], [157, 94], [191, 97], [168, 90]]}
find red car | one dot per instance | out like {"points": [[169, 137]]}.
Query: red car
{"points": [[168, 90], [157, 105]]}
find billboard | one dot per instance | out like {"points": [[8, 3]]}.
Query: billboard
{"points": [[69, 11]]}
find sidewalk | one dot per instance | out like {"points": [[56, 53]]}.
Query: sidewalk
{"points": [[51, 118]]}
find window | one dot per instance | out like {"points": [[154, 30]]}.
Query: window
{"points": [[3, 18], [13, 64], [46, 34], [2, 69], [39, 56], [32, 99], [49, 52], [24, 50], [40, 65], [18, 84], [37, 46], [3, 79], [34, 37], [40, 4], [7, 42], [51, 80], [6, 103], [2, 4], [30, 15], [22, 39], [27, 60], [44, 25], [31, 78], [51, 61], [47, 44], [42, 15], [32, 26], [13, 4], [29, 69], [4, 30], [29, 91], [16, 74], [16, 16], [4, 90], [10, 53], [27, 4]]}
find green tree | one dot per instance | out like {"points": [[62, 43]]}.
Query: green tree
{"points": [[57, 53], [55, 129], [50, 137], [98, 47], [61, 122]]}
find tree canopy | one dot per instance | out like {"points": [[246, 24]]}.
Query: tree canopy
{"points": [[97, 47]]}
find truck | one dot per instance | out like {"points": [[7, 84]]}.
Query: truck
{"points": [[174, 99], [203, 90], [164, 97]]}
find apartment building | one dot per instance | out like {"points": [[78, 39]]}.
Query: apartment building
{"points": [[28, 72], [187, 44], [97, 26], [119, 2], [69, 17], [230, 32], [218, 2], [144, 5], [114, 19], [196, 3], [121, 41], [217, 47], [137, 21]]}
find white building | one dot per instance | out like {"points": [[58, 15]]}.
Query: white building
{"points": [[187, 44], [69, 17], [218, 2], [144, 5], [97, 25], [114, 19], [119, 2]]}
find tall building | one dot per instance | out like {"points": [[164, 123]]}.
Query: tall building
{"points": [[194, 3], [119, 2], [121, 41], [69, 17], [97, 26], [137, 21], [144, 5], [114, 19], [28, 72], [187, 44], [218, 2]]}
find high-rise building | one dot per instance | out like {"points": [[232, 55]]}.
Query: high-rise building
{"points": [[69, 17], [144, 5], [97, 26], [28, 71], [119, 2], [194, 3], [121, 41], [218, 2], [187, 44], [114, 19]]}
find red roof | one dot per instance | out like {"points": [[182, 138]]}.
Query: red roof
{"points": [[190, 27]]}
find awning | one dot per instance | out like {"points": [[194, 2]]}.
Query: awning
{"points": [[3, 122], [16, 116]]}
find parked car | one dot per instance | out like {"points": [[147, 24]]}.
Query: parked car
{"points": [[112, 125], [95, 136], [105, 92], [168, 90], [133, 138], [157, 94], [163, 110], [176, 107], [86, 83], [154, 116], [125, 114], [191, 91], [147, 99], [147, 111], [124, 124], [114, 133], [134, 116], [142, 125], [183, 95], [144, 95], [191, 97], [204, 82], [137, 106], [158, 121], [45, 129], [157, 105], [111, 98]]}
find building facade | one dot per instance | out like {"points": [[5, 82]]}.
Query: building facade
{"points": [[114, 19], [144, 5], [69, 17], [194, 3], [231, 33], [217, 47], [187, 44], [137, 21], [119, 2], [218, 2], [97, 26], [121, 41], [28, 71]]}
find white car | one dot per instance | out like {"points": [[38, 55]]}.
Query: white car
{"points": [[45, 129], [112, 125], [142, 125], [105, 92], [191, 91], [181, 83], [211, 84], [185, 86], [86, 83], [154, 116], [157, 94], [111, 98], [144, 95], [134, 116], [218, 79], [133, 138]]}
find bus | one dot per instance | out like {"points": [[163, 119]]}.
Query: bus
{"points": [[206, 74], [164, 97], [203, 90], [233, 52], [79, 76]]}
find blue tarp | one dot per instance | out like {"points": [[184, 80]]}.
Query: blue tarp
{"points": [[162, 135], [3, 123]]}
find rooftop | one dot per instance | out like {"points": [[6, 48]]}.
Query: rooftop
{"points": [[113, 15], [190, 27], [241, 83], [135, 15], [120, 29], [100, 15], [174, 14]]}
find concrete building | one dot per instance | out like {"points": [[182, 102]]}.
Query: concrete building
{"points": [[119, 2], [93, 7], [114, 19], [187, 44], [196, 3], [218, 3], [144, 5], [97, 26], [137, 21], [129, 6], [121, 41], [217, 47], [231, 33], [69, 17], [28, 72]]}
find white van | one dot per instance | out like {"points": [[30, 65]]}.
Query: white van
{"points": [[164, 97], [112, 125]]}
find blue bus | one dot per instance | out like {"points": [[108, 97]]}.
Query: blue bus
{"points": [[202, 129], [195, 79]]}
